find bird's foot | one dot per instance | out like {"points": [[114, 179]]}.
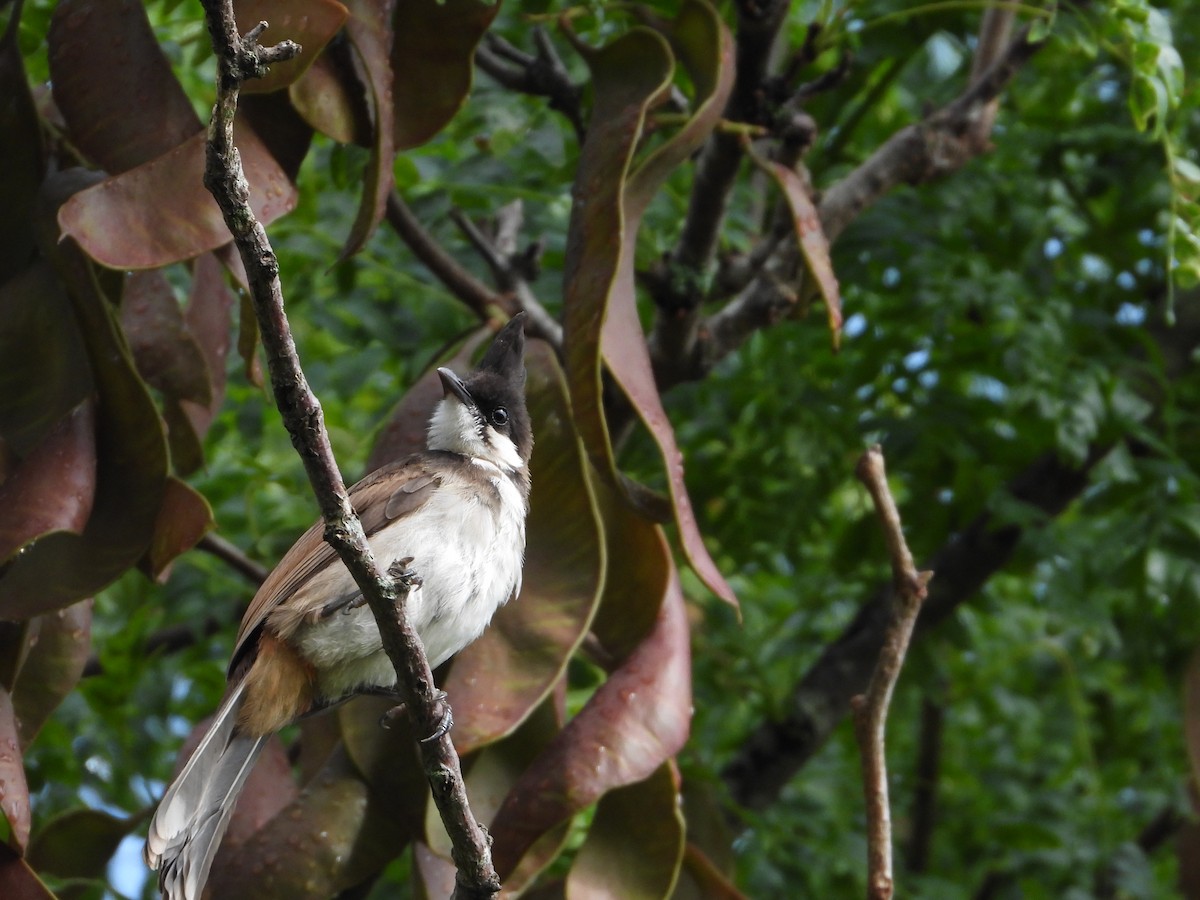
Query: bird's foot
{"points": [[445, 717], [406, 578]]}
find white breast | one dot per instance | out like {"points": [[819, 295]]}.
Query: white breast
{"points": [[468, 552]]}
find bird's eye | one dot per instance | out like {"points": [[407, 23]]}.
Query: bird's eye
{"points": [[500, 417]]}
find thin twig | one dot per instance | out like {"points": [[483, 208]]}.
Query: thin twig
{"points": [[870, 709], [512, 268], [465, 286], [302, 415], [232, 555], [543, 75], [915, 154]]}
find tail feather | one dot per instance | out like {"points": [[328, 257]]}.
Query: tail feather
{"points": [[194, 812]]}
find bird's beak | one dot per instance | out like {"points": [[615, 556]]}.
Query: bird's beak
{"points": [[452, 384]]}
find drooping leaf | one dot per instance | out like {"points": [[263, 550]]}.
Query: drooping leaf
{"points": [[330, 100], [809, 235], [14, 801], [370, 31], [160, 212], [170, 359], [498, 680], [183, 518], [62, 568], [45, 373], [137, 110], [207, 318], [308, 849], [387, 760], [283, 130], [310, 23], [58, 647], [21, 157], [432, 57], [79, 843], [634, 721], [601, 321], [635, 844], [167, 356], [53, 487]]}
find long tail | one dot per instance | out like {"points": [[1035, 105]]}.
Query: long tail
{"points": [[194, 812]]}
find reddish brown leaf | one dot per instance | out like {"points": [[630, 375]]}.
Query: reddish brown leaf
{"points": [[809, 234], [370, 33], [328, 98], [634, 722], [183, 519], [283, 130], [62, 567], [14, 792], [701, 880], [499, 679], [207, 319], [79, 843], [268, 791], [160, 212], [17, 880], [432, 58], [58, 644], [167, 356], [310, 23], [387, 761], [311, 848], [601, 309], [53, 487], [136, 110], [635, 844], [704, 46], [21, 158], [45, 372]]}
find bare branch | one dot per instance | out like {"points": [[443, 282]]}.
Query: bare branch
{"points": [[933, 148], [871, 708], [465, 286], [543, 75], [512, 268], [676, 324], [303, 417], [232, 555]]}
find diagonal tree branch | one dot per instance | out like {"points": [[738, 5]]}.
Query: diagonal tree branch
{"points": [[237, 60]]}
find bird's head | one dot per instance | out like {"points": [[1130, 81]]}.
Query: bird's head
{"points": [[484, 415]]}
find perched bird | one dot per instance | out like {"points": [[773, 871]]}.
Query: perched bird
{"points": [[454, 515]]}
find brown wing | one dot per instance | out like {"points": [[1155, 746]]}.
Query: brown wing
{"points": [[385, 495]]}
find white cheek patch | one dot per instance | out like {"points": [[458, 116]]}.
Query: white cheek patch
{"points": [[501, 450], [453, 427]]}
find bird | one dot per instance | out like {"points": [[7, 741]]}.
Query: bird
{"points": [[450, 520]]}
